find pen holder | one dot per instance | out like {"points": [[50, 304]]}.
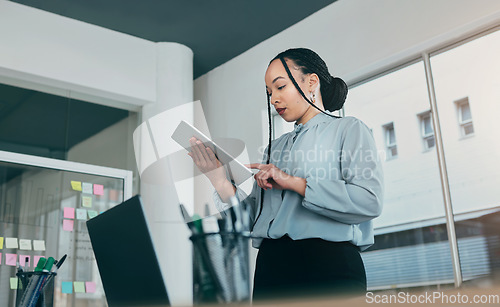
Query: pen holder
{"points": [[221, 268], [46, 295]]}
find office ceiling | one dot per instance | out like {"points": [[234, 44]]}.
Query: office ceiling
{"points": [[216, 30]]}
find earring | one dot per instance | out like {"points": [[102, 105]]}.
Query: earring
{"points": [[313, 97]]}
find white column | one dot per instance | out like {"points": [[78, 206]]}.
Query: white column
{"points": [[174, 87]]}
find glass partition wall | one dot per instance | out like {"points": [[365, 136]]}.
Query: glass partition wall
{"points": [[411, 249]]}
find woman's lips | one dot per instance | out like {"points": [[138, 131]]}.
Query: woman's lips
{"points": [[281, 110]]}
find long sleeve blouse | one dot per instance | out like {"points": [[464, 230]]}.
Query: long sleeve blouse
{"points": [[344, 184]]}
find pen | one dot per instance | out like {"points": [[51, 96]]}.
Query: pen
{"points": [[32, 283], [41, 279], [189, 222], [26, 261], [229, 220], [58, 264], [207, 210], [197, 223], [245, 215], [19, 267], [236, 210], [21, 274]]}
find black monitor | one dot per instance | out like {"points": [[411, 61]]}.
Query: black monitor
{"points": [[126, 257]]}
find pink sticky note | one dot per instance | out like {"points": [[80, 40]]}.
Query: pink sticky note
{"points": [[11, 259], [69, 212], [36, 259], [98, 189], [68, 225], [0, 258], [90, 287], [22, 260]]}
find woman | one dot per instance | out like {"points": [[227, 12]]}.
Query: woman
{"points": [[316, 194]]}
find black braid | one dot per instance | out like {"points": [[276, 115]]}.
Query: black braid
{"points": [[268, 155]]}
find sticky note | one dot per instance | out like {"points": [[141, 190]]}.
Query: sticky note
{"points": [[1, 242], [79, 286], [92, 214], [13, 283], [69, 212], [87, 188], [0, 258], [25, 244], [87, 201], [68, 225], [67, 287], [81, 214], [76, 185], [11, 259], [39, 245], [22, 260], [98, 189], [36, 259], [11, 243], [90, 287]]}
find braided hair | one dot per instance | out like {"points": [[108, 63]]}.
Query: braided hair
{"points": [[333, 89]]}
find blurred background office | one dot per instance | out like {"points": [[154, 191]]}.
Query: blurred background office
{"points": [[77, 78]]}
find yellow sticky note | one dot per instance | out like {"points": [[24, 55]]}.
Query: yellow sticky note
{"points": [[1, 242], [76, 185], [13, 283], [79, 286]]}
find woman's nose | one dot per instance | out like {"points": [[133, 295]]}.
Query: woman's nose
{"points": [[274, 99]]}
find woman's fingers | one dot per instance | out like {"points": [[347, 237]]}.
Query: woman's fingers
{"points": [[203, 150], [265, 177], [196, 151], [211, 155], [262, 178], [255, 165]]}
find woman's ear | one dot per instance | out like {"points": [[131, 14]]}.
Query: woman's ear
{"points": [[313, 82]]}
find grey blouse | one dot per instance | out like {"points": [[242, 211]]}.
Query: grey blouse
{"points": [[344, 184]]}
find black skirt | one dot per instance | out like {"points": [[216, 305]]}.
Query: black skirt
{"points": [[312, 267]]}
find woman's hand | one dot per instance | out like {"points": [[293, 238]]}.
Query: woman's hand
{"points": [[206, 161], [271, 177]]}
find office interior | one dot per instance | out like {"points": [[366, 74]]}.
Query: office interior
{"points": [[423, 75]]}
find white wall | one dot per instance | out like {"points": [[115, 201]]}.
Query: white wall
{"points": [[112, 147], [63, 56], [354, 37]]}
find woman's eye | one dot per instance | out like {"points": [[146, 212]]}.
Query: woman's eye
{"points": [[281, 87]]}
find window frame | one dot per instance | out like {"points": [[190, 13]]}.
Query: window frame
{"points": [[463, 124], [388, 145], [426, 136]]}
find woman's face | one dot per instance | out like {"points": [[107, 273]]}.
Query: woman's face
{"points": [[285, 98]]}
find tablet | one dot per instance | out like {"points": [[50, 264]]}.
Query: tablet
{"points": [[238, 173]]}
